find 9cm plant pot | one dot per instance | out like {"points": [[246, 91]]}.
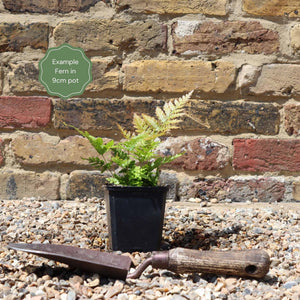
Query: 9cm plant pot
{"points": [[135, 217]]}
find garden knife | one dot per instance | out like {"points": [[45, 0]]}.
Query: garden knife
{"points": [[245, 263]]}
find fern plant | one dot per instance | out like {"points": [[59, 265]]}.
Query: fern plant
{"points": [[133, 161]]}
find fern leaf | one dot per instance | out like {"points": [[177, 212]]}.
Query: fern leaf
{"points": [[125, 133], [173, 112], [161, 116], [172, 107], [151, 122], [139, 124], [166, 109]]}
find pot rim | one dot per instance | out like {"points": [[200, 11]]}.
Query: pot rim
{"points": [[123, 187]]}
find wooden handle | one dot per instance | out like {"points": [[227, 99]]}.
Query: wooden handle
{"points": [[245, 263]]}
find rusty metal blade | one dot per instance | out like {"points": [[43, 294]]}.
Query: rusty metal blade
{"points": [[107, 264]]}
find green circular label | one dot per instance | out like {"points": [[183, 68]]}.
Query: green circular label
{"points": [[65, 71]]}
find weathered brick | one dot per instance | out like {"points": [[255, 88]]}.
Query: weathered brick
{"points": [[1, 155], [66, 6], [24, 112], [208, 188], [264, 155], [262, 189], [211, 7], [292, 118], [100, 114], [278, 80], [15, 36], [90, 184], [295, 37], [85, 184], [105, 75], [112, 36], [205, 116], [223, 37], [170, 180], [19, 184], [247, 77], [35, 6], [24, 78], [178, 76], [240, 189], [200, 153], [296, 190], [1, 80], [43, 149], [272, 7], [52, 6], [232, 117]]}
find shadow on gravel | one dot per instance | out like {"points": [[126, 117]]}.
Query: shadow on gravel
{"points": [[62, 273], [199, 238]]}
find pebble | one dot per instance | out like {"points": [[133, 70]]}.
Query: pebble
{"points": [[94, 283], [114, 290], [76, 279], [214, 200], [202, 225], [71, 295], [290, 284]]}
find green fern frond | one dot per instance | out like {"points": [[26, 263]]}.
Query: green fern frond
{"points": [[173, 111], [151, 123], [139, 124], [134, 161], [161, 116], [167, 118], [125, 133]]}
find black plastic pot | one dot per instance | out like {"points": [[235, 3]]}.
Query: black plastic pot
{"points": [[135, 217]]}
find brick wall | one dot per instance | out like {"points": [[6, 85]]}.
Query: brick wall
{"points": [[240, 56]]}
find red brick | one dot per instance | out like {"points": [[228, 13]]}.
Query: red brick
{"points": [[292, 118], [266, 155], [24, 112], [223, 37], [200, 153]]}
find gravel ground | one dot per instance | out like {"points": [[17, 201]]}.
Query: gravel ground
{"points": [[273, 227]]}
